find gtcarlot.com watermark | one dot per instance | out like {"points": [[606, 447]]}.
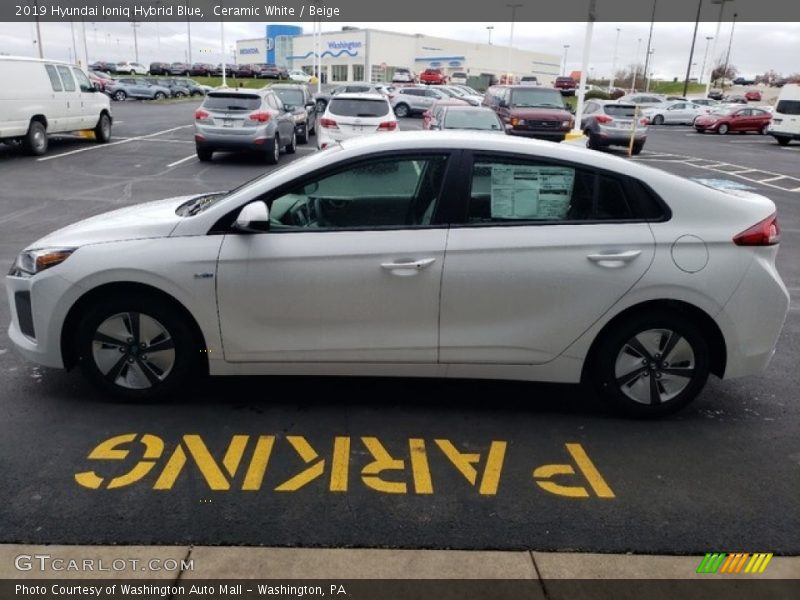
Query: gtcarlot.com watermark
{"points": [[44, 563]]}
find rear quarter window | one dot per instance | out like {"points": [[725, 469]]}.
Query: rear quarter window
{"points": [[788, 107]]}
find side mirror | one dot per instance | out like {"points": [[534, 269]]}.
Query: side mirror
{"points": [[253, 218]]}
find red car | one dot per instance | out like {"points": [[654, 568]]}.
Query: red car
{"points": [[753, 96], [433, 77], [734, 118], [566, 85]]}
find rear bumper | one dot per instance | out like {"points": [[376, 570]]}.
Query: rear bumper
{"points": [[618, 138], [784, 134], [753, 317], [255, 139]]}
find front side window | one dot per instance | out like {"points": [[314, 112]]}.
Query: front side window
{"points": [[506, 191], [381, 193], [83, 80]]}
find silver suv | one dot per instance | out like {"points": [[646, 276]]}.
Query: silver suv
{"points": [[238, 119], [414, 100]]}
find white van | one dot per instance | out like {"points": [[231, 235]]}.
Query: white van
{"points": [[785, 124], [43, 97]]}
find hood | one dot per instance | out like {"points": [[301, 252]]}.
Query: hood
{"points": [[141, 221], [545, 114]]}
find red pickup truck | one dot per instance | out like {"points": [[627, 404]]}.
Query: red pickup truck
{"points": [[433, 77], [566, 85]]}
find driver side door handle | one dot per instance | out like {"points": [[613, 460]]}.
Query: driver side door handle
{"points": [[408, 267]]}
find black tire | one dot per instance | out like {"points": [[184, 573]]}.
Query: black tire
{"points": [[179, 94], [783, 141], [402, 110], [102, 131], [591, 141], [137, 376], [658, 120], [120, 95], [159, 96], [303, 139], [620, 372], [637, 148], [698, 130], [204, 154], [35, 141], [273, 151], [291, 147], [765, 129], [723, 129]]}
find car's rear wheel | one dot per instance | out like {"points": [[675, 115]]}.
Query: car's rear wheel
{"points": [[783, 141], [291, 147], [591, 141], [765, 129], [637, 148], [401, 110], [204, 154], [35, 141], [179, 94], [159, 96], [137, 347], [303, 139], [658, 120], [274, 151], [723, 129], [102, 131], [651, 364]]}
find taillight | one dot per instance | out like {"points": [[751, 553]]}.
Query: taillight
{"points": [[763, 233], [603, 119], [387, 126], [644, 121], [328, 123], [201, 115], [260, 116]]}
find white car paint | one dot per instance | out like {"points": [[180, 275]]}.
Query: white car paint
{"points": [[679, 112], [334, 127], [68, 103], [130, 68], [525, 301], [299, 75], [785, 124]]}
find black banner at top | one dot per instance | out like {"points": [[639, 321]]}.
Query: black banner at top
{"points": [[409, 10]]}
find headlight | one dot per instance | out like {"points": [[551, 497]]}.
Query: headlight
{"points": [[35, 261], [300, 118]]}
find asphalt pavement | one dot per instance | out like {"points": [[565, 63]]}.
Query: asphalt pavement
{"points": [[359, 462]]}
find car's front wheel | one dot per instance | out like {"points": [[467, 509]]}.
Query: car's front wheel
{"points": [[119, 95], [137, 347], [723, 129], [401, 111], [651, 364], [159, 96], [102, 131], [658, 120]]}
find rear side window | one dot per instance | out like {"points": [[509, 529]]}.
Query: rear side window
{"points": [[507, 191], [232, 102], [352, 107], [788, 107], [55, 82], [66, 77]]}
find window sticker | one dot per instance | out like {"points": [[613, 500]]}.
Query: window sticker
{"points": [[530, 192]]}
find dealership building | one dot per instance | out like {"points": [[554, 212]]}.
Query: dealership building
{"points": [[353, 54]]}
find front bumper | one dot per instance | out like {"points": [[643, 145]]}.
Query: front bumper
{"points": [[551, 135]]}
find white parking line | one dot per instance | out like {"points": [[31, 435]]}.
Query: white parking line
{"points": [[773, 179], [183, 160], [100, 146]]}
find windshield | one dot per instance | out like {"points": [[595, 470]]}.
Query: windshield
{"points": [[358, 107], [221, 101], [536, 98], [290, 97], [472, 119]]}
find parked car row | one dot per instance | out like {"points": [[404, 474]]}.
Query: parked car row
{"points": [[153, 88], [197, 69]]}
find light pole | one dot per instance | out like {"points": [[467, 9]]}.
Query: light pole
{"points": [[189, 41], [222, 47], [691, 52], [489, 29], [513, 8], [715, 38], [587, 46], [564, 68], [728, 54], [38, 29], [158, 30], [85, 45], [649, 41], [705, 56], [649, 74], [614, 62], [74, 45], [135, 26], [636, 65]]}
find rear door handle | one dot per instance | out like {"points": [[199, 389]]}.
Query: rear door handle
{"points": [[408, 267], [614, 261]]}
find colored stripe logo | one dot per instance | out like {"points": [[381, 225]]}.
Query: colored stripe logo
{"points": [[739, 562]]}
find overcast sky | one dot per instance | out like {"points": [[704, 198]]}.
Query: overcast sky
{"points": [[756, 47]]}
